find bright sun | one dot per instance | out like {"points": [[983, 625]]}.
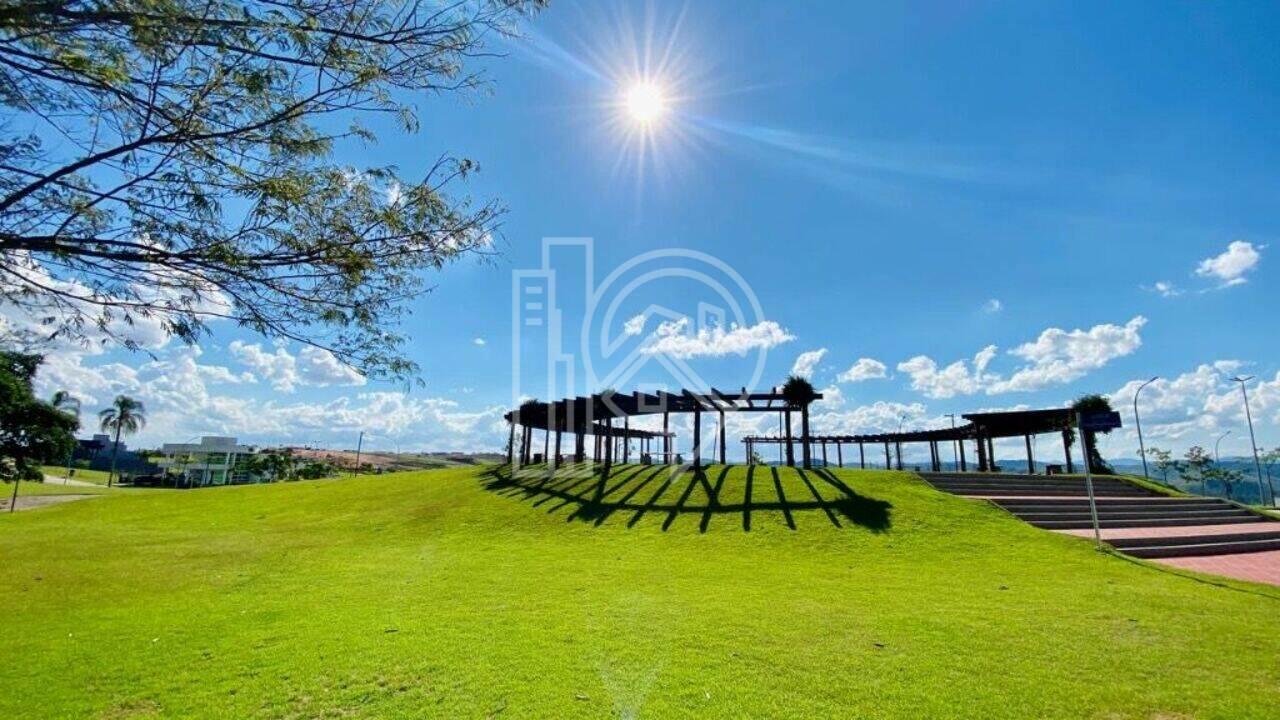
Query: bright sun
{"points": [[645, 103]]}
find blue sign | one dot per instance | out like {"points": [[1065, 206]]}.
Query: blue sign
{"points": [[1100, 421]]}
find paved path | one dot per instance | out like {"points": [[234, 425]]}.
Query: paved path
{"points": [[55, 480], [1261, 567]]}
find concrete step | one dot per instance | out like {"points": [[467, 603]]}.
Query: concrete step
{"points": [[1145, 522], [1049, 493], [1207, 548], [1054, 504], [1127, 544], [1135, 515]]}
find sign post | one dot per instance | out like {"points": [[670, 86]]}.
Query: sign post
{"points": [[1093, 422]]}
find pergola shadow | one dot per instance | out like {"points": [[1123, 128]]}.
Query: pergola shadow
{"points": [[628, 494]]}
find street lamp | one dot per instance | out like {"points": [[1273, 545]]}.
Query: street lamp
{"points": [[1218, 442], [1137, 419], [1257, 464]]}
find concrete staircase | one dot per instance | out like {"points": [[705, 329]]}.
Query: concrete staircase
{"points": [[1135, 520]]}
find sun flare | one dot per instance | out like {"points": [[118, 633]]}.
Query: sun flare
{"points": [[645, 103]]}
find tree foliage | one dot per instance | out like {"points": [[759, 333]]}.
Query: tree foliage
{"points": [[31, 430], [172, 159], [1091, 404]]}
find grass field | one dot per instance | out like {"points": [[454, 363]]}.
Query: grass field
{"points": [[466, 593], [98, 477]]}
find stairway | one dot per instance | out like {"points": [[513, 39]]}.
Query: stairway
{"points": [[1137, 521]]}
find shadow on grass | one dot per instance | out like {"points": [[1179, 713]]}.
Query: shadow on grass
{"points": [[592, 493]]}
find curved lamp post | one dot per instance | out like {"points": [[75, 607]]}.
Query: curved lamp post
{"points": [[1262, 494], [1137, 419], [1218, 442]]}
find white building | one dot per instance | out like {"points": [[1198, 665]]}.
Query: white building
{"points": [[212, 461]]}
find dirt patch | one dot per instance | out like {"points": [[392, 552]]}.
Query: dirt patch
{"points": [[36, 501]]}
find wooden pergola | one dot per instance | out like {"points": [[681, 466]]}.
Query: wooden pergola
{"points": [[982, 429], [607, 418]]}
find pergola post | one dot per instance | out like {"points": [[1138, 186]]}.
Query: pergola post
{"points": [[824, 453], [804, 428], [555, 459], [1031, 461], [1066, 449], [626, 439], [898, 449], [791, 455], [982, 453], [888, 461], [840, 454], [511, 442], [697, 439], [666, 437], [546, 445], [991, 454], [608, 449], [862, 456], [722, 452], [964, 466]]}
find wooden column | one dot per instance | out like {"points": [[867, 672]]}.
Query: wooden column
{"points": [[888, 461], [791, 454], [982, 453], [666, 439], [722, 449], [626, 440], [898, 449], [824, 453], [1066, 449], [546, 445], [697, 439], [840, 454], [804, 428], [609, 441], [991, 454], [555, 459], [1031, 461], [964, 467], [511, 443], [862, 456]]}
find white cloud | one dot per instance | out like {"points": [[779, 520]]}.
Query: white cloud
{"points": [[877, 417], [863, 369], [285, 371], [1163, 288], [479, 341], [954, 379], [673, 339], [635, 325], [1230, 267], [1059, 356], [992, 306], [808, 362], [1055, 357], [832, 398]]}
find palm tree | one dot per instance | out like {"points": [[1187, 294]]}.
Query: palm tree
{"points": [[64, 401], [799, 392], [125, 415]]}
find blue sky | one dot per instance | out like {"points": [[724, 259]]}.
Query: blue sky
{"points": [[909, 185]]}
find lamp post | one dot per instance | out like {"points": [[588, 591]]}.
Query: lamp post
{"points": [[1137, 419], [1257, 464], [1218, 442]]}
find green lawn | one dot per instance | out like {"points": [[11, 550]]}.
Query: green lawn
{"points": [[93, 476], [55, 487], [457, 594]]}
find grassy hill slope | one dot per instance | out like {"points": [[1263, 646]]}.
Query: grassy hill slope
{"points": [[462, 593]]}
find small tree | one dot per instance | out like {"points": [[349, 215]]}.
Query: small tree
{"points": [[1163, 461], [1197, 461], [125, 416], [1090, 404]]}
